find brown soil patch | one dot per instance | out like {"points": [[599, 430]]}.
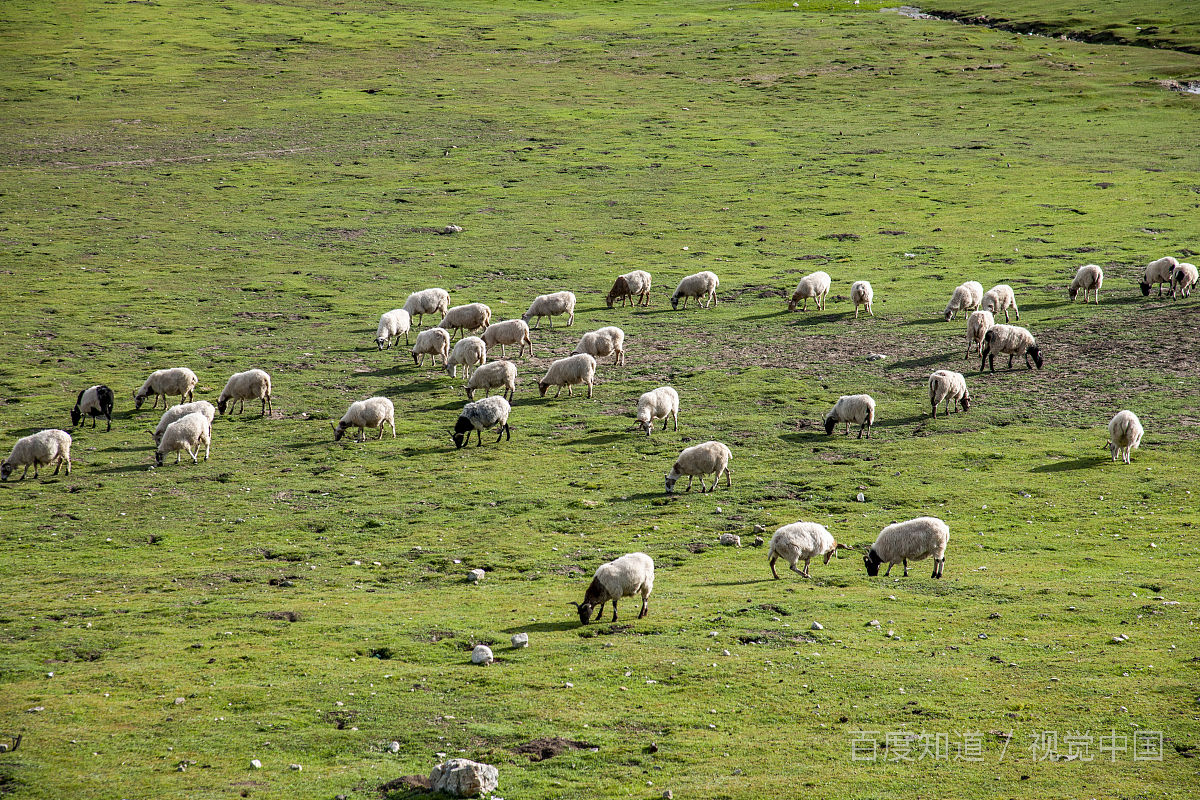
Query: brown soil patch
{"points": [[542, 749]]}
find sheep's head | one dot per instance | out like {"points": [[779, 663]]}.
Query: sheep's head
{"points": [[158, 458], [5, 470], [382, 342], [1037, 355], [1074, 292], [76, 415], [671, 478], [949, 314], [829, 423], [224, 401], [645, 425], [138, 399], [1145, 289], [542, 387], [966, 403], [792, 304], [462, 432], [872, 563], [585, 612], [339, 431], [674, 302]]}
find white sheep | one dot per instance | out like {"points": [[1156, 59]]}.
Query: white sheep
{"points": [[434, 342], [487, 414], [916, 539], [510, 332], [1124, 435], [253, 384], [176, 380], [1089, 278], [185, 434], [94, 401], [178, 412], [493, 375], [1184, 279], [802, 540], [550, 306], [815, 285], [427, 301], [852, 408], [950, 386], [967, 296], [710, 458], [659, 403], [391, 325], [631, 574], [470, 352], [1010, 340], [470, 317], [978, 324], [570, 371], [603, 342], [862, 294], [40, 449], [1158, 272], [374, 412], [702, 286], [1001, 298], [628, 285]]}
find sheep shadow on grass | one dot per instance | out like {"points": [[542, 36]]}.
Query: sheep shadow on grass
{"points": [[923, 361], [571, 621], [603, 438], [938, 320], [1087, 462], [739, 583]]}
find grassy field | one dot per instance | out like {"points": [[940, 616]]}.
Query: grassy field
{"points": [[252, 184]]}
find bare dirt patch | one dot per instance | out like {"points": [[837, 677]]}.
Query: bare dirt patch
{"points": [[542, 749]]}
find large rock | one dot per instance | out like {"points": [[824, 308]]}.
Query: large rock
{"points": [[461, 777], [482, 654]]}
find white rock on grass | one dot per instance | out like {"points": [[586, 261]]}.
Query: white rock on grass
{"points": [[461, 777], [731, 540], [394, 747], [520, 640], [816, 626], [482, 654], [475, 575], [254, 762], [296, 767]]}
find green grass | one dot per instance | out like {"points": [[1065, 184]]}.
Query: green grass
{"points": [[248, 184]]}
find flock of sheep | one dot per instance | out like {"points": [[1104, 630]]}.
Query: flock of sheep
{"points": [[187, 426]]}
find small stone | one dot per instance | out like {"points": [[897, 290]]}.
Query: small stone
{"points": [[668, 795], [394, 747], [255, 763], [482, 655], [983, 636], [295, 767], [520, 640], [758, 541], [475, 575], [873, 623], [760, 528], [994, 615], [568, 685], [731, 540], [725, 653], [653, 748], [875, 356], [451, 229], [860, 497], [816, 626], [180, 701]]}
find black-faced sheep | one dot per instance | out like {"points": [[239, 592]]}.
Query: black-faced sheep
{"points": [[374, 412], [253, 384], [710, 458], [702, 286], [1009, 340], [1158, 272], [629, 575], [482, 415], [914, 540], [570, 371], [852, 408], [951, 387], [176, 380], [94, 401], [628, 285]]}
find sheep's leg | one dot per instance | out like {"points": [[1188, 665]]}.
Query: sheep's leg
{"points": [[689, 488], [614, 619], [589, 390], [728, 480], [479, 437], [557, 392], [934, 404], [889, 569], [645, 607], [861, 428], [803, 573], [847, 428], [178, 456], [869, 311], [599, 612], [570, 322], [569, 392], [702, 489], [57, 466], [1017, 311], [773, 572], [906, 568]]}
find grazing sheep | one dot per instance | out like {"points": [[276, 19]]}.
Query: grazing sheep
{"points": [[1011, 340], [470, 351], [856, 408], [253, 384], [482, 415], [185, 434], [391, 325], [628, 285], [494, 375], [967, 296], [916, 539], [569, 371], [427, 301], [40, 449], [631, 574], [702, 286], [550, 306], [1158, 272], [435, 342], [659, 403], [1184, 279], [978, 324], [1089, 278], [374, 412], [1001, 298], [510, 332], [710, 458], [177, 380], [815, 285], [1124, 434], [94, 401], [948, 386], [470, 317], [608, 341], [180, 411], [862, 294], [802, 540]]}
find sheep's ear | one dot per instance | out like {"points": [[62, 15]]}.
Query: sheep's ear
{"points": [[332, 425]]}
